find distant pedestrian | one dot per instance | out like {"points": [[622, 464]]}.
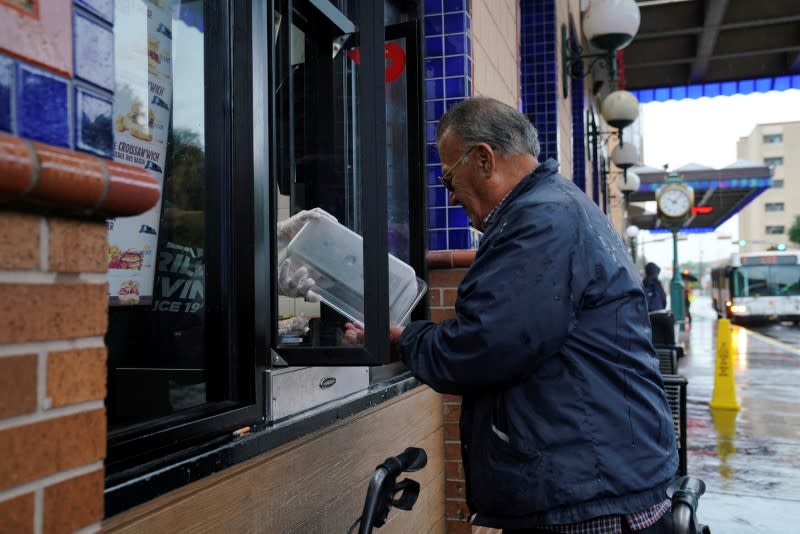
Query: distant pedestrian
{"points": [[653, 290]]}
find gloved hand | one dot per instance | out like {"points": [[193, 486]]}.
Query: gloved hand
{"points": [[290, 227], [296, 281]]}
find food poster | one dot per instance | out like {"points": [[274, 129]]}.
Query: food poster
{"points": [[142, 102]]}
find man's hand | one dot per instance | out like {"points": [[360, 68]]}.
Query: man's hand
{"points": [[354, 334]]}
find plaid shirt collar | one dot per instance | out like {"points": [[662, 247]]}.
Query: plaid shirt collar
{"points": [[612, 524]]}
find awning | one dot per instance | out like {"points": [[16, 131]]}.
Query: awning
{"points": [[718, 193]]}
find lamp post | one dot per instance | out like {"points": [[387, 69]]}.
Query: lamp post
{"points": [[632, 232]]}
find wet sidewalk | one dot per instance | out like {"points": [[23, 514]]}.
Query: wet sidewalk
{"points": [[750, 459]]}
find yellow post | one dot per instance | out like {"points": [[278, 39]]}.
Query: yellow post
{"points": [[724, 396]]}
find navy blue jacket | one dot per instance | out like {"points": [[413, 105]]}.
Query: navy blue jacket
{"points": [[564, 416]]}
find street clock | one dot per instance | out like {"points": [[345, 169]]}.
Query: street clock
{"points": [[675, 200]]}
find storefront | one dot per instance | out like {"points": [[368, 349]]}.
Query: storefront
{"points": [[158, 377]]}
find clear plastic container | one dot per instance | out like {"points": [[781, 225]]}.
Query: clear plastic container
{"points": [[334, 255]]}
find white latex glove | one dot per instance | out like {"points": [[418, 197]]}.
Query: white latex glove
{"points": [[290, 227], [296, 281]]}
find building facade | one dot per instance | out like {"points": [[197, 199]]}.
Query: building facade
{"points": [[764, 224], [153, 379]]}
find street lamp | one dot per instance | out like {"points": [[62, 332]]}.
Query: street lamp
{"points": [[632, 232]]}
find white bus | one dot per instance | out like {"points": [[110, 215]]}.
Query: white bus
{"points": [[758, 287]]}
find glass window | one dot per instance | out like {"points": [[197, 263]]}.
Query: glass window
{"points": [[786, 279], [172, 279], [777, 184], [773, 162], [774, 206], [751, 281], [773, 138], [779, 229], [320, 164]]}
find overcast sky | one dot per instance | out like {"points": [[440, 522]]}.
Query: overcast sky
{"points": [[705, 131]]}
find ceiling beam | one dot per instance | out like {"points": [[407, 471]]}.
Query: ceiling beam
{"points": [[732, 55], [754, 23], [715, 12]]}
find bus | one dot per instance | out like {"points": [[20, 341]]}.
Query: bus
{"points": [[758, 288]]}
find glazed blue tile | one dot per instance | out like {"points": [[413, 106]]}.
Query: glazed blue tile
{"points": [[455, 5], [434, 68], [433, 25], [454, 87], [433, 154], [455, 66], [433, 46], [455, 23], [42, 106], [454, 44], [433, 6], [93, 52], [434, 109], [437, 196], [432, 173], [437, 218], [458, 239], [430, 131], [457, 218], [102, 8], [434, 88], [437, 239], [6, 93], [93, 119]]}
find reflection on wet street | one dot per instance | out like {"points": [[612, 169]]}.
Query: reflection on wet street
{"points": [[750, 458]]}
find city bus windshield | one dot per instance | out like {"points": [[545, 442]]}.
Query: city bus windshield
{"points": [[766, 280]]}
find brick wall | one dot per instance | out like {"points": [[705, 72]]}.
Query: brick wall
{"points": [[446, 271], [53, 312]]}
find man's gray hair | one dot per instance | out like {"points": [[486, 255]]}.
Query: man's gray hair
{"points": [[485, 120]]}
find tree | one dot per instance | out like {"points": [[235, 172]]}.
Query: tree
{"points": [[794, 231]]}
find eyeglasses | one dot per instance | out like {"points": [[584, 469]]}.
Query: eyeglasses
{"points": [[447, 178]]}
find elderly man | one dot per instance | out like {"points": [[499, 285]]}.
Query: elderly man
{"points": [[565, 426]]}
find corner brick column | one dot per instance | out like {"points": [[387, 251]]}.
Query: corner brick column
{"points": [[446, 269], [53, 316]]}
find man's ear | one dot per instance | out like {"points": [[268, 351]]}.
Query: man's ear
{"points": [[486, 157]]}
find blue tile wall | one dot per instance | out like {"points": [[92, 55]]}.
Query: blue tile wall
{"points": [[102, 8], [43, 110], [6, 94], [93, 51], [448, 81], [540, 70], [41, 105], [578, 134], [93, 120]]}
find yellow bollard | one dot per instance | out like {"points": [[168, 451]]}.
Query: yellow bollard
{"points": [[724, 396]]}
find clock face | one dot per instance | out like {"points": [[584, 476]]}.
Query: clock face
{"points": [[674, 203]]}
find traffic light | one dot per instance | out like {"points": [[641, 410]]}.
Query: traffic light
{"points": [[781, 247], [742, 242]]}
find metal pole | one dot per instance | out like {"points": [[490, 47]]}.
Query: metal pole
{"points": [[676, 286]]}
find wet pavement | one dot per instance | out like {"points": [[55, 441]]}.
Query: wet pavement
{"points": [[750, 458]]}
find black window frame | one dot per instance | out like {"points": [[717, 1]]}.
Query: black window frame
{"points": [[239, 95], [230, 303]]}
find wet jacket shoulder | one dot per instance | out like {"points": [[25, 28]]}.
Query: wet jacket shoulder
{"points": [[564, 415]]}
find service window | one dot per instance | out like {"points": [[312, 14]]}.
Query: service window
{"points": [[335, 151]]}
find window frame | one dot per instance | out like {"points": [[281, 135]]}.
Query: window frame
{"points": [[229, 296]]}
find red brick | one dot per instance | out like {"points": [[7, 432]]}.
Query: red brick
{"points": [[75, 376], [452, 451], [451, 431], [19, 241], [446, 278], [77, 246], [456, 509], [40, 449], [37, 312], [451, 412], [449, 297], [17, 385], [441, 314], [435, 297], [454, 470], [16, 515], [74, 503], [455, 489]]}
